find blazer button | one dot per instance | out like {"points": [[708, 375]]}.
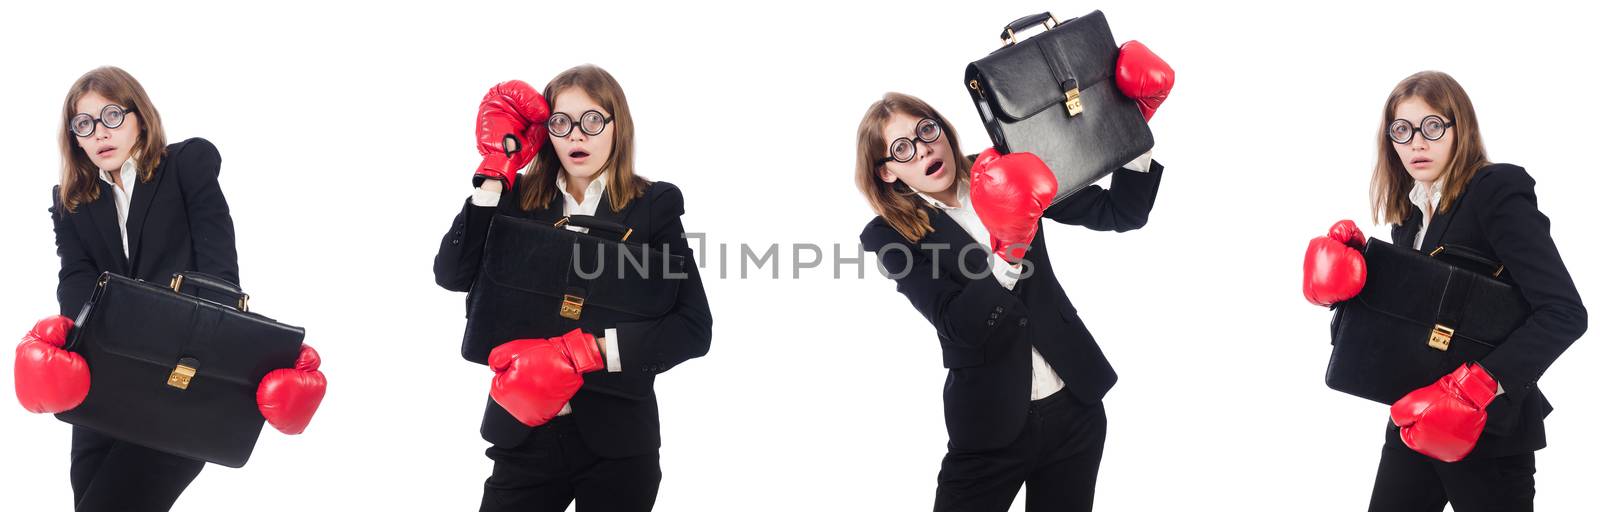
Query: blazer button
{"points": [[999, 309], [994, 315], [991, 323], [455, 242], [1023, 322]]}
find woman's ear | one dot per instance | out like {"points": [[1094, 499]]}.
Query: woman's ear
{"points": [[885, 175]]}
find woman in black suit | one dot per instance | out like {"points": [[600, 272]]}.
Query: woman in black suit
{"points": [[1023, 396], [602, 447], [131, 204], [1469, 439]]}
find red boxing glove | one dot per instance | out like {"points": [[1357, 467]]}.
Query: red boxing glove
{"points": [[510, 130], [535, 378], [1143, 76], [50, 379], [1443, 420], [1009, 194], [1335, 271], [288, 397]]}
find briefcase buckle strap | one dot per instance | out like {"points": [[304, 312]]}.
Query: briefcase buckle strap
{"points": [[180, 376], [1074, 104], [1440, 338], [571, 307]]}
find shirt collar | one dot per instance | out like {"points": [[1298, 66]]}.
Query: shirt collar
{"points": [[962, 195], [595, 188], [1426, 197], [129, 170]]}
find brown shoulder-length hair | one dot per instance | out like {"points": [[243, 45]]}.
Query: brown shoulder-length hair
{"points": [[79, 176], [895, 202], [622, 184], [1391, 184]]}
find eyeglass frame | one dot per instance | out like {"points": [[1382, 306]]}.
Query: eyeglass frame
{"points": [[579, 124], [1417, 129], [913, 141], [97, 122]]}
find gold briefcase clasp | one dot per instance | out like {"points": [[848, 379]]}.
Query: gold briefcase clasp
{"points": [[180, 376], [571, 307], [1074, 104], [1440, 339]]}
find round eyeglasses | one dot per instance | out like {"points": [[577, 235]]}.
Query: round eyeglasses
{"points": [[112, 116], [1401, 131], [591, 123], [904, 149]]}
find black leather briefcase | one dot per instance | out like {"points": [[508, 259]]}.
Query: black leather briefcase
{"points": [[175, 372], [540, 280], [1055, 95], [1419, 317]]}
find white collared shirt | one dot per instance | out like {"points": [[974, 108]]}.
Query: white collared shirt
{"points": [[129, 174], [1425, 198], [1045, 381], [591, 198], [488, 194]]}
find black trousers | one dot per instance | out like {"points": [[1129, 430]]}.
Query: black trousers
{"points": [[1412, 482], [553, 467], [1057, 455], [113, 475]]}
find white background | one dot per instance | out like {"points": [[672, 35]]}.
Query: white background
{"points": [[347, 142]]}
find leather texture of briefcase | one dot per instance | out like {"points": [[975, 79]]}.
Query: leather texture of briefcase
{"points": [[1055, 95], [175, 372], [540, 280], [1419, 317]]}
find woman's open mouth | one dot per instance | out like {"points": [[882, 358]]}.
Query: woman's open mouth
{"points": [[934, 168]]}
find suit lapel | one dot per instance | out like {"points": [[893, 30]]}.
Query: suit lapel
{"points": [[143, 195], [1436, 229], [103, 215], [603, 211], [1406, 233], [947, 231]]}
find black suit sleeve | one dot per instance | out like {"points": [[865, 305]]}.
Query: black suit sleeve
{"points": [[210, 225], [965, 315], [461, 250], [1123, 208], [684, 333], [1519, 235], [78, 272]]}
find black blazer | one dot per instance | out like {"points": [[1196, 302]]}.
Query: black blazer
{"points": [[177, 221], [1498, 215], [613, 424], [985, 331]]}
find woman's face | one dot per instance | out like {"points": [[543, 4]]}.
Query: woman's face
{"points": [[1424, 159], [582, 155], [108, 148], [931, 171]]}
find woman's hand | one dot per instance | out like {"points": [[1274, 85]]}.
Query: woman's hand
{"points": [[1009, 194], [1143, 76], [288, 397], [1335, 270], [50, 379], [510, 130]]}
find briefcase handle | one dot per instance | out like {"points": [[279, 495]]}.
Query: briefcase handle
{"points": [[593, 224], [1009, 34], [211, 282], [1492, 267]]}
